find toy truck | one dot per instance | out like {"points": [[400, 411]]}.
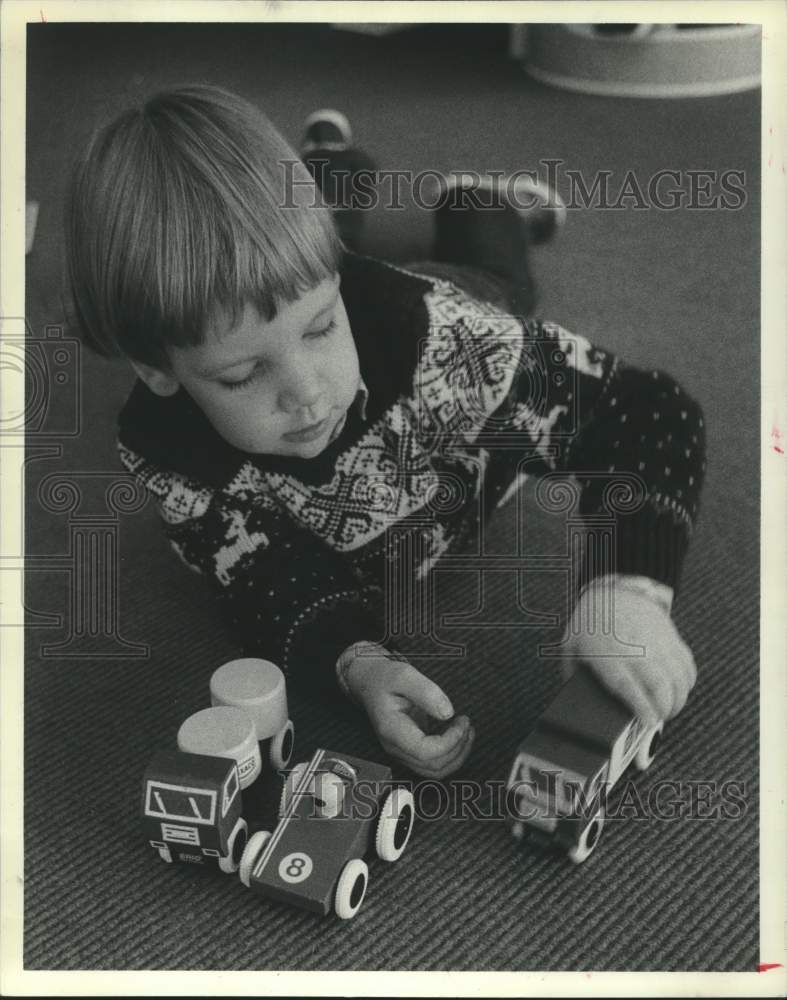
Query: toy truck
{"points": [[191, 807], [565, 768], [334, 811]]}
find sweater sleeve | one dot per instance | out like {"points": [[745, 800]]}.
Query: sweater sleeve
{"points": [[634, 440], [286, 597]]}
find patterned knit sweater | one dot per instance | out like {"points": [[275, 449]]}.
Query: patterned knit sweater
{"points": [[464, 402]]}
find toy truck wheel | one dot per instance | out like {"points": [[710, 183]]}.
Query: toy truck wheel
{"points": [[395, 824], [254, 848], [165, 854], [648, 747], [292, 782], [235, 847], [282, 746], [587, 839], [351, 888]]}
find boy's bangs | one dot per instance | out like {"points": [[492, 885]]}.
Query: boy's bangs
{"points": [[220, 246]]}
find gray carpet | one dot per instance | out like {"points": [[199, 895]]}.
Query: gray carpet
{"points": [[679, 290]]}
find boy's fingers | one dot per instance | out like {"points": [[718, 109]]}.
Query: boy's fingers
{"points": [[440, 767], [438, 755], [456, 762], [655, 675], [437, 746], [660, 687], [403, 737], [425, 694], [685, 672], [662, 678], [689, 667], [692, 668], [621, 681], [676, 663], [680, 693]]}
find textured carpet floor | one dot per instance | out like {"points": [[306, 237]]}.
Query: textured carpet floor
{"points": [[678, 290]]}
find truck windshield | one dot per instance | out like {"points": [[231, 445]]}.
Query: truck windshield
{"points": [[178, 802]]}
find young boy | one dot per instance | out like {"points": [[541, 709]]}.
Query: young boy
{"points": [[296, 402]]}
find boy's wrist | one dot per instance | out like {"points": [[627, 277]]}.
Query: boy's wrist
{"points": [[347, 664], [661, 593]]}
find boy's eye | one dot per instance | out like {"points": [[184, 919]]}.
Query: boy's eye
{"points": [[253, 374], [316, 334]]}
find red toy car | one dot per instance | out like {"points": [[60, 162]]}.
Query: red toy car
{"points": [[334, 810]]}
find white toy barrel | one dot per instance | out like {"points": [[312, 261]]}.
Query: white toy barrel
{"points": [[258, 687], [224, 731]]}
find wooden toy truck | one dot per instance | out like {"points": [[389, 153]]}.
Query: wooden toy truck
{"points": [[334, 810], [191, 808], [565, 768]]}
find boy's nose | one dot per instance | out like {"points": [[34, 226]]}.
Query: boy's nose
{"points": [[302, 394]]}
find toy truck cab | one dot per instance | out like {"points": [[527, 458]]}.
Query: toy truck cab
{"points": [[565, 768], [191, 809]]}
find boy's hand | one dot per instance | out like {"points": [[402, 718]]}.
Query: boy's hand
{"points": [[400, 702], [655, 685]]}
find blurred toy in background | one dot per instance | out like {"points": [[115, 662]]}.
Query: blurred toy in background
{"points": [[565, 769], [258, 687], [344, 173], [334, 810], [191, 809], [641, 60]]}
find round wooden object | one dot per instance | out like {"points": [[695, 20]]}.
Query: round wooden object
{"points": [[258, 687], [224, 731]]}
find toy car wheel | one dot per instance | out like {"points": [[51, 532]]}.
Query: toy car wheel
{"points": [[282, 746], [587, 839], [351, 888], [648, 747], [165, 854], [395, 824], [292, 782], [256, 845], [235, 847]]}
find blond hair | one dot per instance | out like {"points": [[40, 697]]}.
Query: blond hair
{"points": [[190, 204]]}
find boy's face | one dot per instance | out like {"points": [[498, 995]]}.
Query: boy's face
{"points": [[278, 387]]}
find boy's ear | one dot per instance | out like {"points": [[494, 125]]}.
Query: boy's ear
{"points": [[158, 381]]}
